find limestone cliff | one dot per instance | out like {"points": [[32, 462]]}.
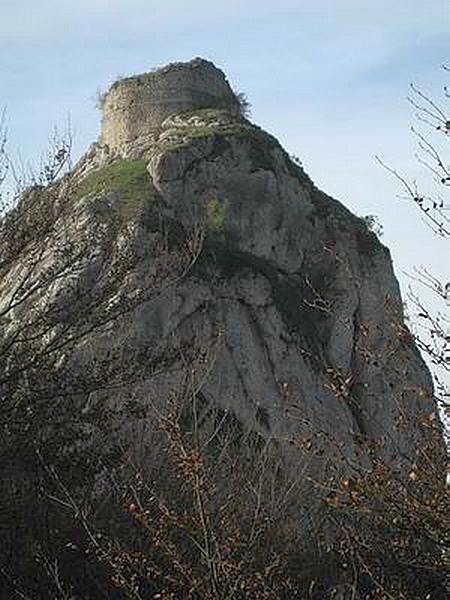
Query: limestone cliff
{"points": [[283, 306]]}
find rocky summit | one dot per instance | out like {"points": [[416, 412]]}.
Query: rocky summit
{"points": [[188, 277], [302, 294]]}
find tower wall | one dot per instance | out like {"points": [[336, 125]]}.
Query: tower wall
{"points": [[138, 105]]}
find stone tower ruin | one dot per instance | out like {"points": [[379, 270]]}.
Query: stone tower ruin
{"points": [[138, 105]]}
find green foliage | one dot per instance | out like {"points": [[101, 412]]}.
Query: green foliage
{"points": [[218, 234], [128, 180], [221, 246], [215, 212]]}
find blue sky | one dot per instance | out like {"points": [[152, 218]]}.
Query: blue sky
{"points": [[328, 78]]}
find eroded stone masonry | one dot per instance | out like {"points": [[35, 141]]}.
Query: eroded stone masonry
{"points": [[138, 105]]}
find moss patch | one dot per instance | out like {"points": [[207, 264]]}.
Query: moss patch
{"points": [[215, 212], [221, 242], [128, 180]]}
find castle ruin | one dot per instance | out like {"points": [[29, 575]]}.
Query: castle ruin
{"points": [[138, 105]]}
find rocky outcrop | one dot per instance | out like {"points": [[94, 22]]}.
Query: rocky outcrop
{"points": [[284, 305]]}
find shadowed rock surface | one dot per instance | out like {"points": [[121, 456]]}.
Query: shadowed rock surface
{"points": [[285, 309]]}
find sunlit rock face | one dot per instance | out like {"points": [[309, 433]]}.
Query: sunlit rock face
{"points": [[286, 312]]}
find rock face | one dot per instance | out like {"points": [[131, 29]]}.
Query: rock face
{"points": [[287, 305]]}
